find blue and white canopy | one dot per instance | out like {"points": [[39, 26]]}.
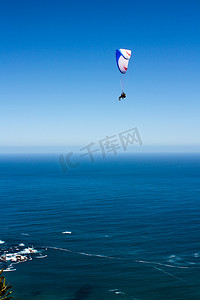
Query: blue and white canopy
{"points": [[122, 58]]}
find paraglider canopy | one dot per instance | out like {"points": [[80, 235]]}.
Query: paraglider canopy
{"points": [[122, 59]]}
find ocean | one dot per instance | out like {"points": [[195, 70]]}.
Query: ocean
{"points": [[126, 227]]}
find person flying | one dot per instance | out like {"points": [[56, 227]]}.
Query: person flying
{"points": [[122, 96]]}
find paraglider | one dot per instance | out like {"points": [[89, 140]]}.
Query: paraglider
{"points": [[122, 59]]}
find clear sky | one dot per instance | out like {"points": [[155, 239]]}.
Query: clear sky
{"points": [[59, 83]]}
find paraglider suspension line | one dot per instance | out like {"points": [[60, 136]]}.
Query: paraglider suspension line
{"points": [[122, 84]]}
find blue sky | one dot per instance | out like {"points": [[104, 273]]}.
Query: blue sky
{"points": [[59, 83]]}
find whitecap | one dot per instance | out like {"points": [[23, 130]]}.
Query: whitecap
{"points": [[28, 250], [1, 242], [41, 256], [116, 291], [9, 257], [197, 254], [67, 232], [9, 269], [174, 259]]}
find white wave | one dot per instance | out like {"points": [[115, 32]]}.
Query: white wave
{"points": [[9, 269], [197, 254], [173, 259], [82, 253], [116, 291], [41, 256], [95, 255], [159, 269], [21, 245], [57, 248], [9, 257], [119, 258], [119, 293], [28, 250], [1, 242], [161, 264], [67, 232]]}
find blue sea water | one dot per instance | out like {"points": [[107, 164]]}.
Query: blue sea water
{"points": [[134, 221]]}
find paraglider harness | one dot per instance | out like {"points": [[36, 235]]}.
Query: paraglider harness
{"points": [[122, 96]]}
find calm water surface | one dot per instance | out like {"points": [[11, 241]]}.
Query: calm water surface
{"points": [[134, 223]]}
